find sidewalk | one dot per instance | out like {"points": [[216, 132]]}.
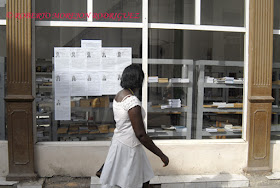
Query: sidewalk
{"points": [[200, 181]]}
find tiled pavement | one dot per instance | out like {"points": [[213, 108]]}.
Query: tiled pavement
{"points": [[193, 181], [179, 181]]}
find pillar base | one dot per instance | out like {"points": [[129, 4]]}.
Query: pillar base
{"points": [[257, 169], [22, 176]]}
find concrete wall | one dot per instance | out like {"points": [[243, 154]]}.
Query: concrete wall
{"points": [[4, 162], [186, 157], [274, 155]]}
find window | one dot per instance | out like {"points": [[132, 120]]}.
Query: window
{"points": [[2, 81], [3, 9], [89, 121], [275, 125], [63, 9], [194, 63], [188, 72], [222, 12], [171, 11]]}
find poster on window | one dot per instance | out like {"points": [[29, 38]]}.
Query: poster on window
{"points": [[61, 59], [62, 108], [87, 71]]}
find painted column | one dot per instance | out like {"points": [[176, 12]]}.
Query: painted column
{"points": [[260, 84], [19, 92]]}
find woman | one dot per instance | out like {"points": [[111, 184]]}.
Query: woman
{"points": [[127, 165]]}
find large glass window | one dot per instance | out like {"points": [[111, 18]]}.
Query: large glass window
{"points": [[275, 123], [276, 17], [89, 120], [195, 84], [2, 81], [3, 9], [195, 78], [171, 11], [118, 10], [65, 10], [222, 12]]}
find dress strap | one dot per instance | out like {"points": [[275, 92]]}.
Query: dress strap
{"points": [[126, 97]]}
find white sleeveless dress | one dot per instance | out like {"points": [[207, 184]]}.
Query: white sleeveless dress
{"points": [[126, 165]]}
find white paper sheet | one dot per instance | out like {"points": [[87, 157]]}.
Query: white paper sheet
{"points": [[61, 59], [93, 59], [78, 83], [62, 108], [109, 59], [94, 83], [91, 43], [62, 84], [78, 59], [124, 58], [118, 85], [110, 82]]}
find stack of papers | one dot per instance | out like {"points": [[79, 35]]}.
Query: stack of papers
{"points": [[212, 130], [153, 79], [209, 79], [165, 127], [238, 81], [223, 105], [228, 80], [179, 80], [174, 103]]}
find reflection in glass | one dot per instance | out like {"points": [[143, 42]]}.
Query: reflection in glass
{"points": [[275, 121], [3, 5], [222, 12], [118, 10], [3, 78], [276, 17], [188, 72], [171, 11], [196, 45], [68, 10]]}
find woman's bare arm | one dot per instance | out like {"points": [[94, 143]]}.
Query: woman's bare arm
{"points": [[138, 127]]}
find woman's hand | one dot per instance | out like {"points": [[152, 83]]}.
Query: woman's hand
{"points": [[165, 160]]}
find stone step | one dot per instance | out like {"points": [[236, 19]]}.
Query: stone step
{"points": [[15, 184], [193, 181], [7, 184], [32, 184]]}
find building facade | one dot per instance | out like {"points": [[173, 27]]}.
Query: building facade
{"points": [[210, 94]]}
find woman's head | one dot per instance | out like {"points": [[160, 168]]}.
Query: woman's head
{"points": [[132, 77]]}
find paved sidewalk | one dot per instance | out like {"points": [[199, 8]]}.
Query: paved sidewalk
{"points": [[255, 180]]}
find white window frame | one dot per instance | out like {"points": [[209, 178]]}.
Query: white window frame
{"points": [[145, 26]]}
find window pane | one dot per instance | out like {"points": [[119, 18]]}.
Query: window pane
{"points": [[171, 11], [89, 121], [2, 9], [222, 12], [68, 10], [275, 123], [3, 78], [276, 12], [188, 66], [118, 10]]}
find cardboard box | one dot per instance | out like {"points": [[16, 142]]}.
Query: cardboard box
{"points": [[73, 104], [111, 130], [85, 102], [104, 102], [103, 128]]}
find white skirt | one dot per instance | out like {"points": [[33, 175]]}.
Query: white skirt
{"points": [[126, 167]]}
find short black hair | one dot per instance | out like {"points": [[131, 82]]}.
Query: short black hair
{"points": [[132, 77]]}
